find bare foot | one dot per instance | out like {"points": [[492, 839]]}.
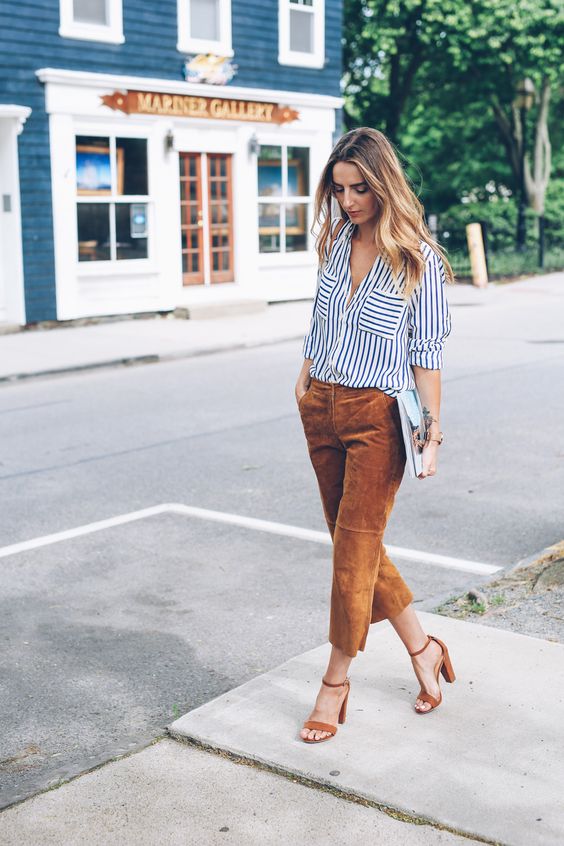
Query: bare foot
{"points": [[425, 665], [326, 710]]}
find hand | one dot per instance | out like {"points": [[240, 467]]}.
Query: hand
{"points": [[300, 390], [429, 459]]}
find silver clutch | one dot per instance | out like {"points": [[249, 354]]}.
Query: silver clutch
{"points": [[413, 430]]}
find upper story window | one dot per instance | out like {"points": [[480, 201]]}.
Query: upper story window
{"points": [[204, 26], [301, 32], [92, 20]]}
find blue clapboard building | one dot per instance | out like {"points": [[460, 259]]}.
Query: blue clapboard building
{"points": [[156, 155]]}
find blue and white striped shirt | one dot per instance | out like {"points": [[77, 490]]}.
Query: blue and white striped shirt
{"points": [[373, 341]]}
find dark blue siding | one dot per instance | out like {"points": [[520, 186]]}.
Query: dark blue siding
{"points": [[30, 40]]}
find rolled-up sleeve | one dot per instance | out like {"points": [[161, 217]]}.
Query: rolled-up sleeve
{"points": [[429, 321]]}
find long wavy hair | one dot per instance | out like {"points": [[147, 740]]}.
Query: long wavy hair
{"points": [[400, 223]]}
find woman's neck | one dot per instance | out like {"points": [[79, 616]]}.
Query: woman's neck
{"points": [[365, 233]]}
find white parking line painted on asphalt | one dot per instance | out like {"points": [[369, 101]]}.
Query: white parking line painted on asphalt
{"points": [[254, 523], [87, 529], [324, 537]]}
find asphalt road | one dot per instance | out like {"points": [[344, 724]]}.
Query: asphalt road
{"points": [[109, 636]]}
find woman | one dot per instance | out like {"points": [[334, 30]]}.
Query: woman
{"points": [[380, 319]]}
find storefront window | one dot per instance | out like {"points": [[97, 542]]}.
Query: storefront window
{"points": [[93, 231], [112, 198], [270, 171], [284, 199]]}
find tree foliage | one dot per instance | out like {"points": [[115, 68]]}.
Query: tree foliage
{"points": [[439, 79]]}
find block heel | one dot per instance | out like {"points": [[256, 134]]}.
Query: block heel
{"points": [[444, 667], [315, 725]]}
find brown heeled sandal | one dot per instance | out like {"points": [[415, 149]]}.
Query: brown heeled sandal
{"points": [[444, 666], [315, 725]]}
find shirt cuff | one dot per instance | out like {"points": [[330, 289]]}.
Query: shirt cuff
{"points": [[308, 346], [428, 354]]}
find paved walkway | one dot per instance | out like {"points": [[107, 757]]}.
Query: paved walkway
{"points": [[486, 766]]}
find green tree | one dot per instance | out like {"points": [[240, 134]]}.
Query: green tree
{"points": [[439, 78]]}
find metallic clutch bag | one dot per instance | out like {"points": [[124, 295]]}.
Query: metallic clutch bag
{"points": [[413, 430]]}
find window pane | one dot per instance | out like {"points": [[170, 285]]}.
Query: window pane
{"points": [[90, 11], [269, 228], [131, 166], [93, 165], [270, 171], [301, 31], [93, 231], [204, 19], [131, 230], [296, 227], [298, 171]]}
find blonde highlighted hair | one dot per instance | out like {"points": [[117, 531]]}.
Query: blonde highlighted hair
{"points": [[400, 224]]}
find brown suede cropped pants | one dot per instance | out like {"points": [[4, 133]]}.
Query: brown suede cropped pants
{"points": [[356, 448]]}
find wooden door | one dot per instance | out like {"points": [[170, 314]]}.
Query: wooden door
{"points": [[220, 217], [206, 218], [191, 219]]}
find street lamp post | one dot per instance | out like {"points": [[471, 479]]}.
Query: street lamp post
{"points": [[524, 98]]}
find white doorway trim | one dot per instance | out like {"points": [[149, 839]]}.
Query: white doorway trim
{"points": [[12, 300]]}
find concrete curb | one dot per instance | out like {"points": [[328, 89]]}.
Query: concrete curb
{"points": [[150, 358], [545, 556]]}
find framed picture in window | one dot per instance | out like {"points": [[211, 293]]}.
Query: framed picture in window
{"points": [[93, 172]]}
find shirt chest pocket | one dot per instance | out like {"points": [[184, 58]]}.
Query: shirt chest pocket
{"points": [[382, 314], [325, 289]]}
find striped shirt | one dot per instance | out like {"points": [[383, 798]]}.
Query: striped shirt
{"points": [[372, 341]]}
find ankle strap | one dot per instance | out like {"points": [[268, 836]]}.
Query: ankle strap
{"points": [[429, 639], [341, 684]]}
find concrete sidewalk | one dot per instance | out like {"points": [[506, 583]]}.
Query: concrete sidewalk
{"points": [[136, 341], [487, 766]]}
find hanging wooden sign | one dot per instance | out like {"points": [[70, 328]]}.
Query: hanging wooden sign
{"points": [[187, 105]]}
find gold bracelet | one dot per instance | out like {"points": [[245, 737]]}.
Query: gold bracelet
{"points": [[436, 438]]}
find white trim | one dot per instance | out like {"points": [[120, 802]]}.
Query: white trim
{"points": [[12, 296], [287, 56], [18, 113], [187, 44], [112, 33], [107, 80]]}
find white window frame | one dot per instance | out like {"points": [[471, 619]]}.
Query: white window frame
{"points": [[293, 57], [187, 44], [285, 199], [93, 268], [112, 33]]}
